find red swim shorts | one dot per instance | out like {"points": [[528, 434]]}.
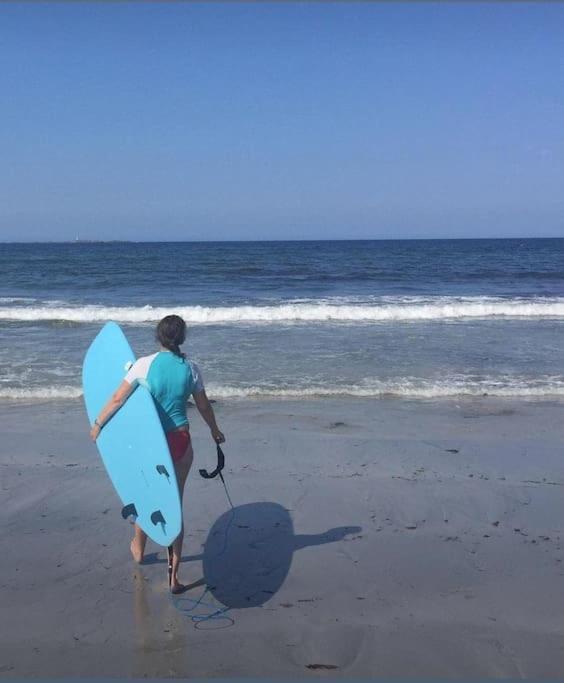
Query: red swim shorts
{"points": [[178, 442]]}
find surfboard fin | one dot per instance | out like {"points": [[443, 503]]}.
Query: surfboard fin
{"points": [[157, 517], [161, 469], [129, 510]]}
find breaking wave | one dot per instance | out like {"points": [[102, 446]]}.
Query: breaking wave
{"points": [[385, 310], [410, 388], [40, 393], [406, 389]]}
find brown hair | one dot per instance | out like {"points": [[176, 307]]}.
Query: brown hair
{"points": [[171, 333]]}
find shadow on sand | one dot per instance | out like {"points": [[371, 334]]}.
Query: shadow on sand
{"points": [[249, 550]]}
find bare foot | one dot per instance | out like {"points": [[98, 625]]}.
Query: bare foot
{"points": [[176, 587], [136, 551]]}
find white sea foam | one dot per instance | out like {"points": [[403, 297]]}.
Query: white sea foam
{"points": [[406, 389], [386, 310], [39, 393], [401, 389], [16, 300]]}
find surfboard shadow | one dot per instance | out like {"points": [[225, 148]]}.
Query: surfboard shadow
{"points": [[249, 550]]}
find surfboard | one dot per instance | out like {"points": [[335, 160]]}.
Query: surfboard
{"points": [[132, 444]]}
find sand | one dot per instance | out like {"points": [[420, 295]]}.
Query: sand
{"points": [[368, 538]]}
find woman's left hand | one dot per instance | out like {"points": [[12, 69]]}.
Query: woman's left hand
{"points": [[94, 432], [217, 436]]}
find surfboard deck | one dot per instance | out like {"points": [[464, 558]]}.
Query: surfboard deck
{"points": [[132, 444]]}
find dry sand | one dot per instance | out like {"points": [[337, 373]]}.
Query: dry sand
{"points": [[369, 538]]}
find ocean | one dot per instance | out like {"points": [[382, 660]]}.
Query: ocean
{"points": [[405, 319]]}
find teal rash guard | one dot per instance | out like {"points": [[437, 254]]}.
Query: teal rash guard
{"points": [[171, 379]]}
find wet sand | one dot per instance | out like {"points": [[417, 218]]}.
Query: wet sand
{"points": [[368, 538]]}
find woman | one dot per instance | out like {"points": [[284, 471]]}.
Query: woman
{"points": [[171, 379]]}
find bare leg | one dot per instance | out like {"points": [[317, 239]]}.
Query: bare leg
{"points": [[182, 468], [138, 543]]}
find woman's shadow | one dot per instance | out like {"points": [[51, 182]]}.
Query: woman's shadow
{"points": [[249, 550]]}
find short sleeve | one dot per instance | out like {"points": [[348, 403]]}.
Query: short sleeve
{"points": [[137, 373], [133, 374], [197, 379]]}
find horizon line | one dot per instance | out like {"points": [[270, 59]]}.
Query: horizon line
{"points": [[235, 241]]}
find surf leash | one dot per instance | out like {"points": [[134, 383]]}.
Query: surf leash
{"points": [[169, 556], [217, 613], [211, 475], [219, 467]]}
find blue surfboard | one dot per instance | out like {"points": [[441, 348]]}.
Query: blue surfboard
{"points": [[132, 444]]}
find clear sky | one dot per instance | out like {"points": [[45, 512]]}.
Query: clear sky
{"points": [[281, 120]]}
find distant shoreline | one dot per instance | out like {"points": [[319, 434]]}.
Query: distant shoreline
{"points": [[88, 242], [292, 241]]}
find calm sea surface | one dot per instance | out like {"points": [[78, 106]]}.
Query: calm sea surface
{"points": [[411, 319]]}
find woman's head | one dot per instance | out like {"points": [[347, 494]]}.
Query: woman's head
{"points": [[171, 333]]}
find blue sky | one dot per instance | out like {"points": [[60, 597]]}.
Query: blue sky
{"points": [[273, 121]]}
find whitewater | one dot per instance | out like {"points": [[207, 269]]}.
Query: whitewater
{"points": [[403, 309], [407, 388]]}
